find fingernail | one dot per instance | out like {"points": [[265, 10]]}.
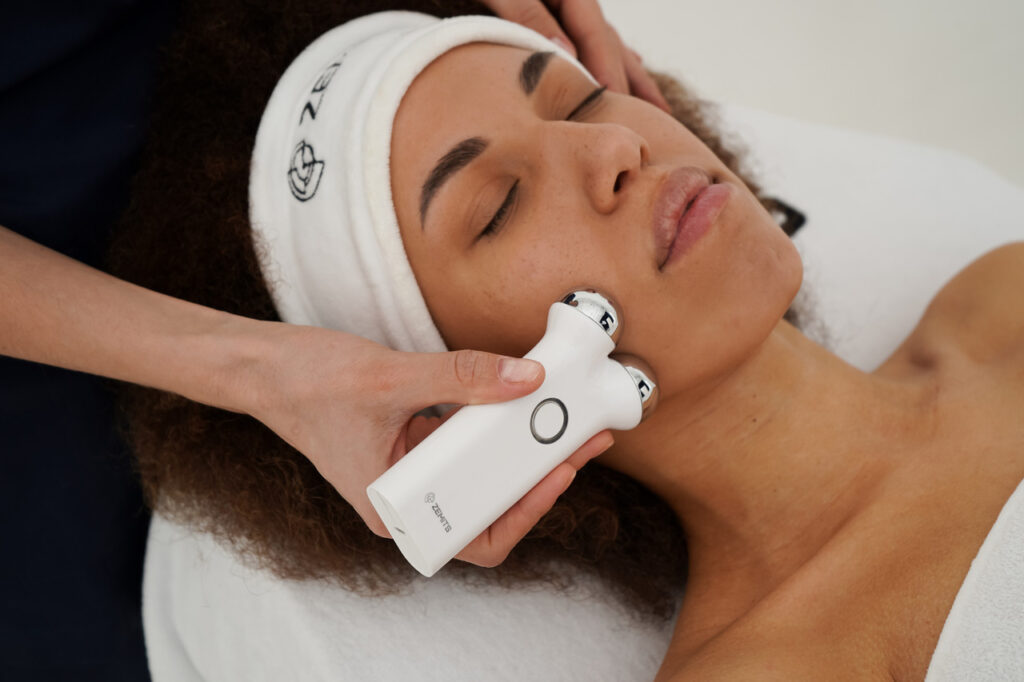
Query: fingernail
{"points": [[517, 371], [564, 45]]}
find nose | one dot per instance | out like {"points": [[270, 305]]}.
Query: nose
{"points": [[607, 160]]}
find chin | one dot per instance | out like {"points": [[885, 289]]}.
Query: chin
{"points": [[781, 275], [760, 299], [790, 268]]}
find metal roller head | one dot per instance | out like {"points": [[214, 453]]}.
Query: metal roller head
{"points": [[598, 307], [643, 378]]}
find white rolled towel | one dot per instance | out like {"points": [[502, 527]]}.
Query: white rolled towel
{"points": [[983, 637]]}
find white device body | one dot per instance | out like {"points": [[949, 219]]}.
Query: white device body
{"points": [[468, 472]]}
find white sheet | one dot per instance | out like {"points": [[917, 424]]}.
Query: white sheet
{"points": [[982, 639], [889, 222]]}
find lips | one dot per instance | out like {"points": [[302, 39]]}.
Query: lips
{"points": [[675, 193]]}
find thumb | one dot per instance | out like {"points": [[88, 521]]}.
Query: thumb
{"points": [[468, 377]]}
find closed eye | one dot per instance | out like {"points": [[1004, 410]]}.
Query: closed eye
{"points": [[586, 102], [498, 220], [499, 217]]}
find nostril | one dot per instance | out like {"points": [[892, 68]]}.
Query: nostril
{"points": [[618, 180]]}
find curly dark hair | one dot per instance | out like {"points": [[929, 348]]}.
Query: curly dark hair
{"points": [[186, 233]]}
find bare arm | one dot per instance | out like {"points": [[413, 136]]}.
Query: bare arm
{"points": [[344, 402], [61, 312], [981, 308]]}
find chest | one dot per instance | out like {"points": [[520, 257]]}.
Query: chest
{"points": [[892, 607], [885, 593], [874, 604]]}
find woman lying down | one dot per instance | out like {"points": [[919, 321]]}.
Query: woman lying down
{"points": [[435, 185]]}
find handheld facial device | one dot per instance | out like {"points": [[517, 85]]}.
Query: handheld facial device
{"points": [[470, 470]]}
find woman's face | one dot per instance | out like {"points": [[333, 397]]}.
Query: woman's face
{"points": [[580, 215]]}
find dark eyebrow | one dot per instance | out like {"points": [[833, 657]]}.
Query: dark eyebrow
{"points": [[533, 69], [457, 157], [464, 152]]}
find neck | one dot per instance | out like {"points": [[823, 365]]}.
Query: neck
{"points": [[766, 465]]}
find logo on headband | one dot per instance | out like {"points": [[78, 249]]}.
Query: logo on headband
{"points": [[316, 95], [305, 173]]}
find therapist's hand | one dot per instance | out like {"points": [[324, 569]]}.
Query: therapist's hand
{"points": [[341, 400], [589, 38], [348, 404]]}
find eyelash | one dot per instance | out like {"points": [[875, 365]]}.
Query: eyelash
{"points": [[499, 217]]}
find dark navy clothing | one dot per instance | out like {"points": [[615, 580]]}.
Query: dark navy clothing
{"points": [[76, 84]]}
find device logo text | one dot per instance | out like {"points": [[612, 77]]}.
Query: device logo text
{"points": [[429, 499]]}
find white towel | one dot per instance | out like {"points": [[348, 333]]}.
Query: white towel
{"points": [[210, 618], [983, 637]]}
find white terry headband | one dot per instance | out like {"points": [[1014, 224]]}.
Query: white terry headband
{"points": [[320, 189]]}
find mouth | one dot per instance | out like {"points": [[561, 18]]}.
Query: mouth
{"points": [[673, 197]]}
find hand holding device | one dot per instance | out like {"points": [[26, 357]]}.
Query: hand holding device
{"points": [[476, 465]]}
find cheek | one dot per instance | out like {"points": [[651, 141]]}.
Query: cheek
{"points": [[719, 311], [487, 301], [765, 261], [498, 294], [539, 255]]}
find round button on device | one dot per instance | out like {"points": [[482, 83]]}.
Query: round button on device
{"points": [[548, 421]]}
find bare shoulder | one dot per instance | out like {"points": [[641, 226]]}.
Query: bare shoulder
{"points": [[980, 311], [779, 664], [746, 667]]}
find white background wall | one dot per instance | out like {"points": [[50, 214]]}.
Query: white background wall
{"points": [[943, 72]]}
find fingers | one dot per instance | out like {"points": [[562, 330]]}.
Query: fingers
{"points": [[597, 444], [419, 427], [532, 14], [492, 546], [600, 49], [372, 518], [597, 44], [640, 82], [466, 377]]}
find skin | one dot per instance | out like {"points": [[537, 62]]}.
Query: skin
{"points": [[780, 459], [600, 47]]}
